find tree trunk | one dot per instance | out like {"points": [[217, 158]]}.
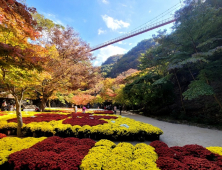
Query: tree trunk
{"points": [[49, 103], [181, 97], [215, 97], [19, 117], [43, 104], [191, 73], [218, 102], [45, 98]]}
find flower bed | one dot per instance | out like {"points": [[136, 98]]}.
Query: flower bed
{"points": [[82, 125], [53, 153], [43, 117], [83, 121], [86, 154], [7, 115], [193, 157], [2, 114]]}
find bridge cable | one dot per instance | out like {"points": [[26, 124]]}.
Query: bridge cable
{"points": [[172, 9]]}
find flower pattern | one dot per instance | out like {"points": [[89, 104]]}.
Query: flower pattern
{"points": [[66, 124], [86, 154]]}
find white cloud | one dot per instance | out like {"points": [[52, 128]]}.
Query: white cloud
{"points": [[53, 18], [149, 11], [106, 52], [105, 1], [100, 31], [121, 42], [114, 23], [122, 32], [130, 43], [96, 63]]}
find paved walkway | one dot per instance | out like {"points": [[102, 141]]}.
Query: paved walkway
{"points": [[180, 134]]}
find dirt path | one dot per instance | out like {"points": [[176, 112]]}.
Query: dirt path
{"points": [[179, 134]]}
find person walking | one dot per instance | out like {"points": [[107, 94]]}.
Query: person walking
{"points": [[120, 109], [4, 106], [75, 108], [11, 107], [83, 109], [8, 107], [114, 109]]}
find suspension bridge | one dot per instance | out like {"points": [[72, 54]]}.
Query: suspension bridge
{"points": [[151, 26]]}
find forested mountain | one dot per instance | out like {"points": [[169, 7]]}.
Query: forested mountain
{"points": [[112, 59], [107, 66], [128, 60]]}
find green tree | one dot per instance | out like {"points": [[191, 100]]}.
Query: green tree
{"points": [[191, 52]]}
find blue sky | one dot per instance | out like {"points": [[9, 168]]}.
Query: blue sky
{"points": [[98, 21]]}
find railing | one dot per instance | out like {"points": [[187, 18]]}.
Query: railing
{"points": [[134, 33]]}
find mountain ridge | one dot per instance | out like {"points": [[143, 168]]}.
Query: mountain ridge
{"points": [[127, 61]]}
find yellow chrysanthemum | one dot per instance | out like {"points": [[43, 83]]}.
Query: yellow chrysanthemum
{"points": [[215, 149], [9, 145]]}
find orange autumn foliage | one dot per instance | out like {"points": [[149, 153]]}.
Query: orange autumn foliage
{"points": [[110, 93], [82, 99], [69, 67], [16, 28]]}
